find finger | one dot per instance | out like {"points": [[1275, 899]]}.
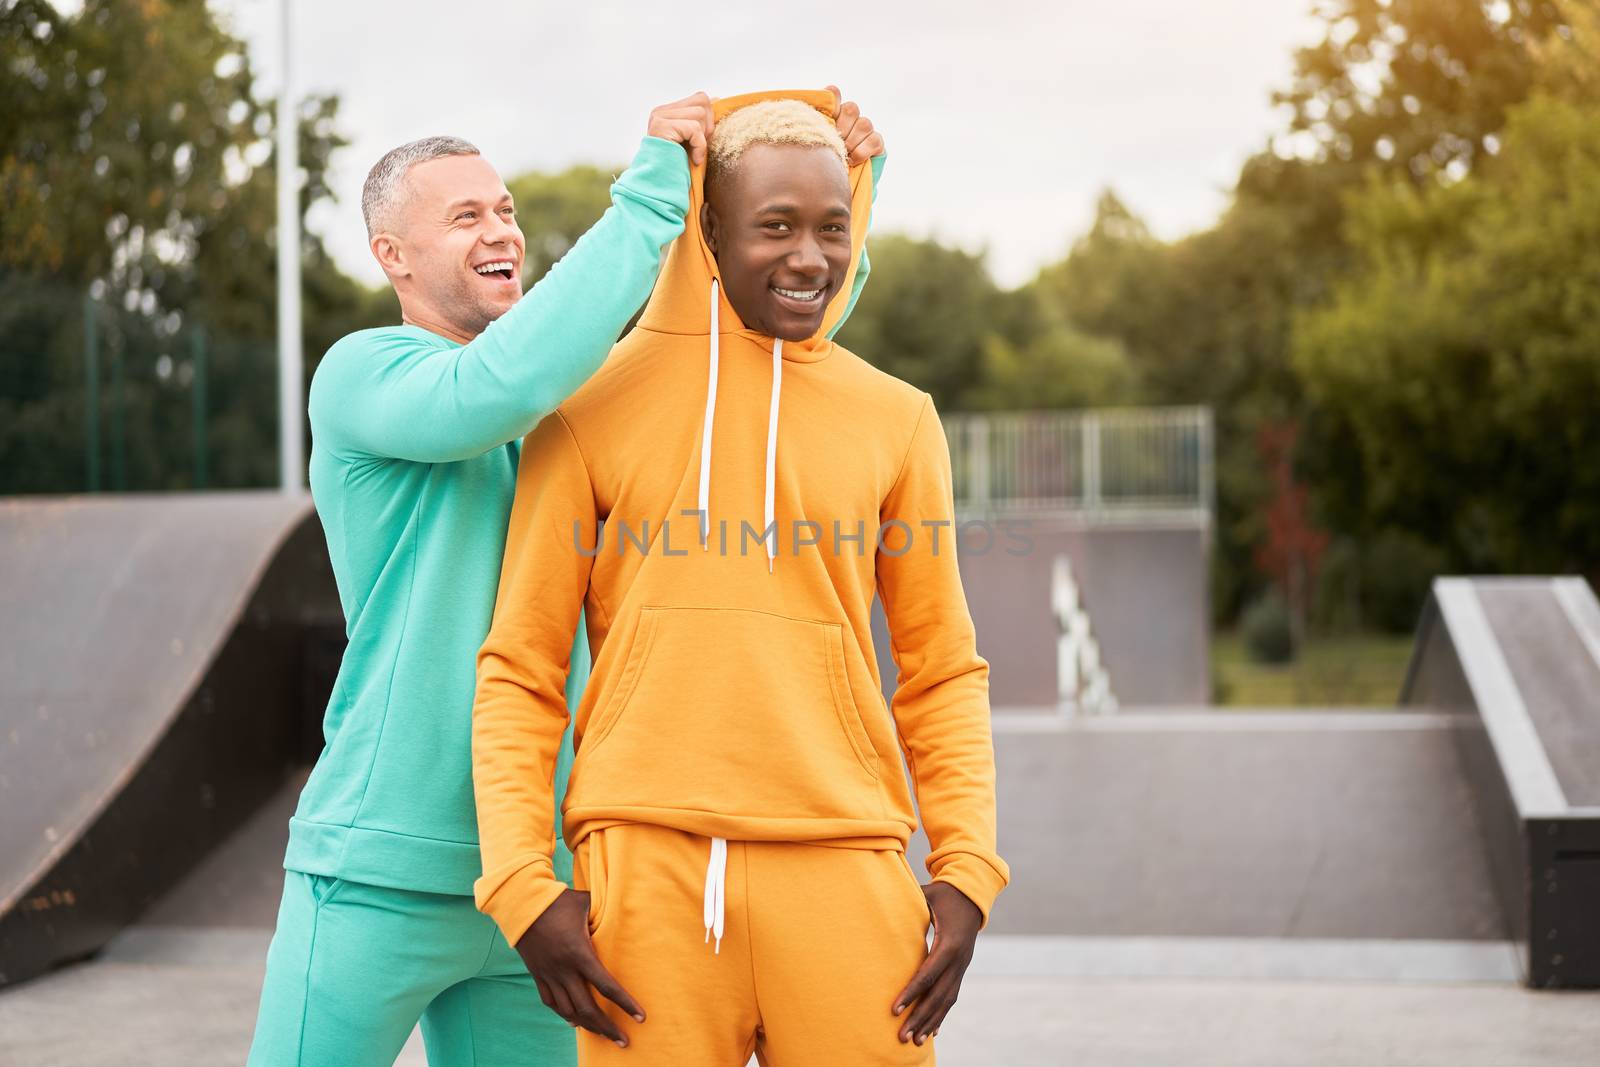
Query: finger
{"points": [[919, 1022], [692, 135], [544, 993], [941, 960], [940, 1006], [561, 1005], [931, 1031], [871, 148], [693, 99], [590, 1017], [861, 146], [699, 114], [925, 976], [837, 96], [849, 118], [612, 989], [946, 998], [862, 131]]}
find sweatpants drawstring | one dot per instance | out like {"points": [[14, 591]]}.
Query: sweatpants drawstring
{"points": [[716, 890]]}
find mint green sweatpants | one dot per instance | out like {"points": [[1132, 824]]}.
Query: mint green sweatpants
{"points": [[353, 967]]}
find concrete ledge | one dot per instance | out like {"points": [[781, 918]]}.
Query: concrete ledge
{"points": [[1250, 958]]}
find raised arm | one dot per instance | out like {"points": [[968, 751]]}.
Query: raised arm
{"points": [[398, 395]]}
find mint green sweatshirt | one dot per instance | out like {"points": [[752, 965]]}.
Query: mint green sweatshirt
{"points": [[415, 441]]}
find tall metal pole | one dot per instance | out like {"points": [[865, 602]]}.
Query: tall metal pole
{"points": [[197, 402], [291, 401], [91, 384]]}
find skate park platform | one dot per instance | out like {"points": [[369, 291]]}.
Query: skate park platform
{"points": [[1189, 885], [165, 662]]}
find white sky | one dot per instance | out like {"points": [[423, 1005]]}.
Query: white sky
{"points": [[1004, 118]]}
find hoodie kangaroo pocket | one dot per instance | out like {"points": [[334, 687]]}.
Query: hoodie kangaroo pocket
{"points": [[734, 712]]}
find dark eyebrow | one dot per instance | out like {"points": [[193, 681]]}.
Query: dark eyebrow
{"points": [[781, 208]]}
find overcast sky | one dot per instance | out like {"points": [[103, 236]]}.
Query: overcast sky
{"points": [[1004, 118]]}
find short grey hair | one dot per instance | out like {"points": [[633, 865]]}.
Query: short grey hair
{"points": [[385, 185]]}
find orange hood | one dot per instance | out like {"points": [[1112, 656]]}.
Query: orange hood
{"points": [[681, 302], [689, 301]]}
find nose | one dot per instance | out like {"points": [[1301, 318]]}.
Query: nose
{"points": [[503, 231], [806, 257]]}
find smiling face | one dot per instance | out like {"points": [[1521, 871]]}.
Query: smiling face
{"points": [[779, 224], [455, 251]]}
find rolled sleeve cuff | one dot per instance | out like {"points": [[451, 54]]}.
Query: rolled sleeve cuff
{"points": [[977, 879], [516, 901]]}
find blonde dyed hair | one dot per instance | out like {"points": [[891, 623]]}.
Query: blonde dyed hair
{"points": [[771, 122]]}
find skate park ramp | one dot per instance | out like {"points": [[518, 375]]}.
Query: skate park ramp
{"points": [[1423, 840], [1518, 661], [165, 660], [1320, 886]]}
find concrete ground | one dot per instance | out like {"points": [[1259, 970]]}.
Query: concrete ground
{"points": [[189, 998], [1189, 889]]}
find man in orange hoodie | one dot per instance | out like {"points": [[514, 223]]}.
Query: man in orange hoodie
{"points": [[736, 775]]}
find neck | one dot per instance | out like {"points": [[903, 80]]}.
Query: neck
{"points": [[436, 327]]}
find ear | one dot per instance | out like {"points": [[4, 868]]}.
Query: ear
{"points": [[390, 255], [708, 226]]}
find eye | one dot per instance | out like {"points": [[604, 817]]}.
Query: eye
{"points": [[508, 211], [776, 226], [469, 215]]}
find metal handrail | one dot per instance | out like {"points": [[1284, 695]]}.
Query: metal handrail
{"points": [[1122, 464]]}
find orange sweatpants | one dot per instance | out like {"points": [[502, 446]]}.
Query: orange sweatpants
{"points": [[816, 943]]}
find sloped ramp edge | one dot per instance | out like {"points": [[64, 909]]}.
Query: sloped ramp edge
{"points": [[1521, 657], [163, 661]]}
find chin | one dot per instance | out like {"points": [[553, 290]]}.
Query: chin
{"points": [[799, 331]]}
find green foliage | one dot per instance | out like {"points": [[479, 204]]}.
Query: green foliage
{"points": [[554, 210], [136, 164], [1410, 96], [1266, 630], [1461, 361], [925, 315], [931, 315], [1416, 85]]}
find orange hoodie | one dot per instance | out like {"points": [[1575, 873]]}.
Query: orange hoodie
{"points": [[735, 691]]}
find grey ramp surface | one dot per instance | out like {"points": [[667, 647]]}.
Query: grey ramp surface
{"points": [[239, 884], [1557, 675], [1237, 824], [98, 659], [1143, 585]]}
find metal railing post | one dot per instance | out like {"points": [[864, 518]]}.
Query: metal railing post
{"points": [[1091, 461], [978, 462]]}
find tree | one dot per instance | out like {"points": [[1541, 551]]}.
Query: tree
{"points": [[554, 210], [925, 316], [1460, 361], [1036, 358], [1423, 85], [1292, 551], [138, 173]]}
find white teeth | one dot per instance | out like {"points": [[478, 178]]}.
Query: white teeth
{"points": [[799, 294], [489, 267]]}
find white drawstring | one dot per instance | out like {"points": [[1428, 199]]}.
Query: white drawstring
{"points": [[705, 432], [716, 890], [769, 529]]}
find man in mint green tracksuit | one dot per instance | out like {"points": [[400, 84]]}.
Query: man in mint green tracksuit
{"points": [[416, 430]]}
